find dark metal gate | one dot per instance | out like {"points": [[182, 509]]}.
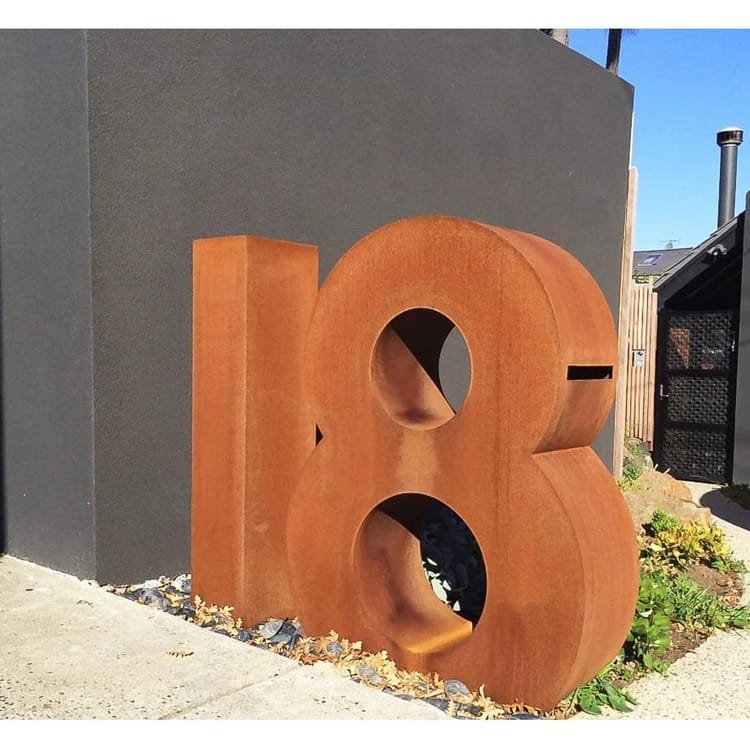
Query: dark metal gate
{"points": [[694, 432]]}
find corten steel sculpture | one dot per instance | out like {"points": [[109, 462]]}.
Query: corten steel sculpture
{"points": [[331, 533]]}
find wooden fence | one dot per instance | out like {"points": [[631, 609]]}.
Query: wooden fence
{"points": [[641, 363]]}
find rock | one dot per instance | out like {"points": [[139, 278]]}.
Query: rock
{"points": [[452, 561], [636, 454], [269, 629], [439, 589], [655, 490], [521, 715], [658, 482], [182, 583], [368, 674], [155, 598], [334, 649], [287, 635], [243, 635], [440, 703], [457, 690], [469, 708]]}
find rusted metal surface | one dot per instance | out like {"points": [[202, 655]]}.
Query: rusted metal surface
{"points": [[252, 430], [514, 463]]}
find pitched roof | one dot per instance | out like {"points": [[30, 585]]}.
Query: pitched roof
{"points": [[721, 241], [657, 262]]}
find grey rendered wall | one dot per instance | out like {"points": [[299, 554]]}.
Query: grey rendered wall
{"points": [[314, 136], [741, 471], [45, 277]]}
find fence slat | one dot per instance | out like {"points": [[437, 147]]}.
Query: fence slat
{"points": [[639, 397]]}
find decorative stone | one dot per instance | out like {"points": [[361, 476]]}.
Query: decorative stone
{"points": [[155, 598], [287, 635], [439, 590], [368, 674], [524, 715], [457, 690], [440, 703], [335, 649], [655, 490], [269, 629], [471, 709], [451, 559], [243, 635], [182, 583], [663, 484]]}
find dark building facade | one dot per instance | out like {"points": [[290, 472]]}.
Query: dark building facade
{"points": [[118, 148], [702, 410]]}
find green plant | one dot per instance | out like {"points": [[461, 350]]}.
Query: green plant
{"points": [[695, 542], [632, 462], [662, 521], [665, 596], [649, 635], [695, 607], [631, 470], [600, 691], [739, 618]]}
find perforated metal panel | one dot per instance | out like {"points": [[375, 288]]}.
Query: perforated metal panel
{"points": [[696, 454], [697, 383], [700, 400], [700, 341]]}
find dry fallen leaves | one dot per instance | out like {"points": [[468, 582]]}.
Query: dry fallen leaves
{"points": [[376, 670], [210, 615], [179, 654]]}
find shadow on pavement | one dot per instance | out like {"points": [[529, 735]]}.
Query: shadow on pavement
{"points": [[724, 508]]}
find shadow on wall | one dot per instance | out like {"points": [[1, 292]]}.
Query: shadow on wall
{"points": [[3, 534], [724, 508]]}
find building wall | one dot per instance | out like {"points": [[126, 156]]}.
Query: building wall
{"points": [[318, 137], [741, 473], [45, 283]]}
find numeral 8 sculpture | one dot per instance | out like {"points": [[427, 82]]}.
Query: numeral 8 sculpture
{"points": [[330, 533]]}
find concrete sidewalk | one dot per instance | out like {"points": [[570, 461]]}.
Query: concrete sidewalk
{"points": [[713, 682], [70, 650]]}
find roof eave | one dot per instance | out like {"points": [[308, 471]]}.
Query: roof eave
{"points": [[688, 268]]}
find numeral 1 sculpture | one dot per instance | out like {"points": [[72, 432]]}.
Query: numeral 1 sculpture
{"points": [[283, 527]]}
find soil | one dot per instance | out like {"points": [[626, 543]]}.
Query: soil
{"points": [[727, 586], [683, 642]]}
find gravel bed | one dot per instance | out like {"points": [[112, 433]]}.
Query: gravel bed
{"points": [[453, 566], [287, 637]]}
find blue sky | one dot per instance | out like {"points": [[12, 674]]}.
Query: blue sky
{"points": [[689, 84]]}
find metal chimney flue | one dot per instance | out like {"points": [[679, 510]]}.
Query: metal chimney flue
{"points": [[728, 140]]}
